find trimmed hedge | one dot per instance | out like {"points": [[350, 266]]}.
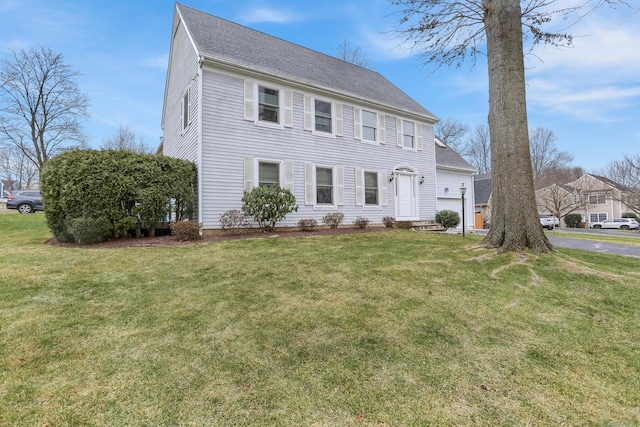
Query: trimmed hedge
{"points": [[93, 196], [573, 220], [448, 219]]}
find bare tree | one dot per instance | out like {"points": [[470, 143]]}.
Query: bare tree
{"points": [[451, 31], [452, 132], [352, 54], [17, 169], [478, 149], [41, 107], [559, 200], [125, 140], [626, 172], [545, 156]]}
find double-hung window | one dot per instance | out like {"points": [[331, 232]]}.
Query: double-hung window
{"points": [[371, 189], [268, 174], [369, 126], [268, 104], [408, 134], [597, 199], [323, 122], [324, 186]]}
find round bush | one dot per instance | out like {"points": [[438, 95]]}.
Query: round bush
{"points": [[448, 219]]}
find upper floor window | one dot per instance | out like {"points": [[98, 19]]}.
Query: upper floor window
{"points": [[408, 134], [371, 189], [268, 174], [324, 186], [369, 125], [323, 116], [597, 199], [185, 109], [268, 105]]}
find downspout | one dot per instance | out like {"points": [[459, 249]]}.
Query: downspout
{"points": [[199, 136]]}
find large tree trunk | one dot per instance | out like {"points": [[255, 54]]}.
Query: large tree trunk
{"points": [[515, 224]]}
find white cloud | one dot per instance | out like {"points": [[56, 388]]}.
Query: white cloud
{"points": [[277, 16], [597, 79]]}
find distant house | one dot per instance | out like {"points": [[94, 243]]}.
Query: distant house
{"points": [[601, 198], [482, 190], [251, 110], [452, 173]]}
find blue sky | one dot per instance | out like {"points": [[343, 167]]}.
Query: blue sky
{"points": [[588, 95]]}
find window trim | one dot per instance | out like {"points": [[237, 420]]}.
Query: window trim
{"points": [[606, 217], [314, 116], [185, 108], [280, 163], [364, 189], [598, 196], [334, 195], [376, 128], [414, 145], [280, 122]]}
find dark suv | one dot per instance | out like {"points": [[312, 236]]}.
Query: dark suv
{"points": [[25, 201]]}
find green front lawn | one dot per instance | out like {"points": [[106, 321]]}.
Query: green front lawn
{"points": [[380, 329]]}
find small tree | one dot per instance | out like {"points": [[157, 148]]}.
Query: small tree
{"points": [[448, 219], [573, 220], [268, 205]]}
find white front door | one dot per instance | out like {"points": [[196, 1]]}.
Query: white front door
{"points": [[406, 197]]}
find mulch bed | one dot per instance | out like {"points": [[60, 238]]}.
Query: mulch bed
{"points": [[143, 242]]}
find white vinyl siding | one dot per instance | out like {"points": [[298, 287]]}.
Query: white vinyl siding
{"points": [[230, 145]]}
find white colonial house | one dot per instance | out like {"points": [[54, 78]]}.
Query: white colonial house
{"points": [[251, 109]]}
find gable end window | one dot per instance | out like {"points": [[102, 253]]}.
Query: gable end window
{"points": [[597, 199], [185, 109], [268, 105]]}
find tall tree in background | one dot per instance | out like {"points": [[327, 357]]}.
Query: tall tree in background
{"points": [[452, 132], [352, 54], [125, 140], [16, 169], [478, 151], [41, 107], [449, 32], [545, 156]]}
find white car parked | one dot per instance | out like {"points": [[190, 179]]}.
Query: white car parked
{"points": [[549, 221], [620, 223]]}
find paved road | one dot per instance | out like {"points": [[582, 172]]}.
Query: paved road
{"points": [[591, 245], [557, 239]]}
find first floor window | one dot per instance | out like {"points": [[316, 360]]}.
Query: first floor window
{"points": [[369, 125], [324, 186], [408, 134], [268, 174], [597, 217], [371, 188], [323, 116], [268, 105]]}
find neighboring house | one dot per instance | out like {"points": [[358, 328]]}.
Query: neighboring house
{"points": [[558, 200], [601, 198], [251, 109], [482, 190], [452, 173]]}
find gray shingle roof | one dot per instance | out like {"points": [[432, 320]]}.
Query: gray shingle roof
{"points": [[449, 158], [482, 188], [221, 40]]}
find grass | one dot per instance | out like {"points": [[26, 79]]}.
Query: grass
{"points": [[393, 329]]}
